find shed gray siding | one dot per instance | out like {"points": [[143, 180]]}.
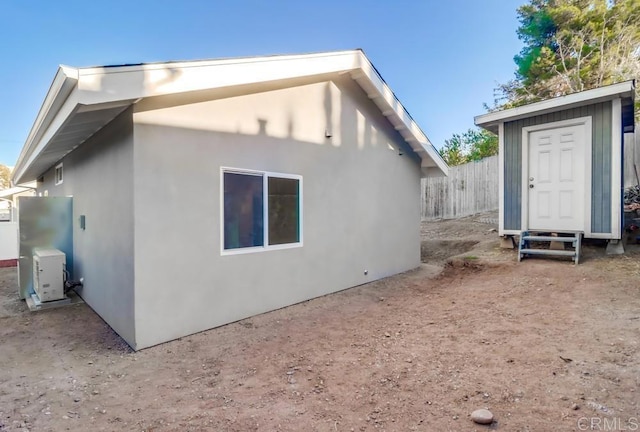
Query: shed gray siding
{"points": [[601, 163]]}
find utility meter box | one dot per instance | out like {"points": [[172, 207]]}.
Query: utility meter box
{"points": [[48, 274]]}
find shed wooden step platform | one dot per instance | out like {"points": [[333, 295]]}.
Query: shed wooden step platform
{"points": [[529, 239]]}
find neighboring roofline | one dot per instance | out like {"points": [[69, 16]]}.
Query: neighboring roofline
{"points": [[13, 191], [490, 120], [100, 88]]}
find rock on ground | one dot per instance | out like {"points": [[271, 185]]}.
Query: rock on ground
{"points": [[482, 416]]}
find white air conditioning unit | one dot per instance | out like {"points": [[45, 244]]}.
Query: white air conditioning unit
{"points": [[48, 274]]}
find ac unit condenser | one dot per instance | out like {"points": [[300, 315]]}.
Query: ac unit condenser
{"points": [[48, 274]]}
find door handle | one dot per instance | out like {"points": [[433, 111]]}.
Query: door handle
{"points": [[530, 186]]}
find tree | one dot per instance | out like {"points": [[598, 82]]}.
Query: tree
{"points": [[5, 177], [571, 46], [473, 145], [453, 151], [482, 144]]}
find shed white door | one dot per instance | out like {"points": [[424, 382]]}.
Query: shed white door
{"points": [[556, 183]]}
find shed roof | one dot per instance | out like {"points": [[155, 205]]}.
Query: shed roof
{"points": [[625, 90], [81, 101]]}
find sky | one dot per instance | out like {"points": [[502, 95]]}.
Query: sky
{"points": [[442, 59]]}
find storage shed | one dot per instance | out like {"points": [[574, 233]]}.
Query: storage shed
{"points": [[205, 192], [561, 162]]}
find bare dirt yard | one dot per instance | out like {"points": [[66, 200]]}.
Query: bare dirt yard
{"points": [[545, 345]]}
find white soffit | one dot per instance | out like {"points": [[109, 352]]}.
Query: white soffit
{"points": [[82, 101], [491, 120]]}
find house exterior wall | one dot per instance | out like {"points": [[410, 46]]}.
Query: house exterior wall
{"points": [[8, 240], [9, 250], [99, 177], [360, 204], [601, 182]]}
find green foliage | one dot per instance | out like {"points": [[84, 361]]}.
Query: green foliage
{"points": [[568, 46], [482, 144], [473, 145], [536, 31], [5, 177], [453, 151], [571, 46]]}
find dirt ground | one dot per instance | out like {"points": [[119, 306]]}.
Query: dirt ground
{"points": [[545, 345]]}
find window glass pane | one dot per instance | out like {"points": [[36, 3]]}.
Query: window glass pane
{"points": [[58, 174], [284, 210], [243, 211]]}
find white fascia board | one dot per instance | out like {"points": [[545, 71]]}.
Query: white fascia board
{"points": [[97, 87], [105, 86], [109, 84], [234, 61], [63, 84], [488, 120], [65, 112], [112, 84], [392, 107]]}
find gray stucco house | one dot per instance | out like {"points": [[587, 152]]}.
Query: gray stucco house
{"points": [[561, 162], [205, 192]]}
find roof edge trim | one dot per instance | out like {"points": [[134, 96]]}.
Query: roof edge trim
{"points": [[65, 80], [606, 92], [68, 91], [396, 107], [140, 67]]}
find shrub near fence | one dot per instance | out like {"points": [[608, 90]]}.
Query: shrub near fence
{"points": [[469, 189]]}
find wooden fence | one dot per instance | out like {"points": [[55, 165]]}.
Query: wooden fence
{"points": [[473, 188], [469, 189]]}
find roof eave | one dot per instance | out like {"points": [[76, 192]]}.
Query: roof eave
{"points": [[64, 82], [491, 120], [382, 95], [95, 88]]}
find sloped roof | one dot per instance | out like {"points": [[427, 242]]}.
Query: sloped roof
{"points": [[491, 120], [7, 194], [81, 101]]}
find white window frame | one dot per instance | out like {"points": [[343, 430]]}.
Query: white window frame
{"points": [[58, 169], [265, 211]]}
